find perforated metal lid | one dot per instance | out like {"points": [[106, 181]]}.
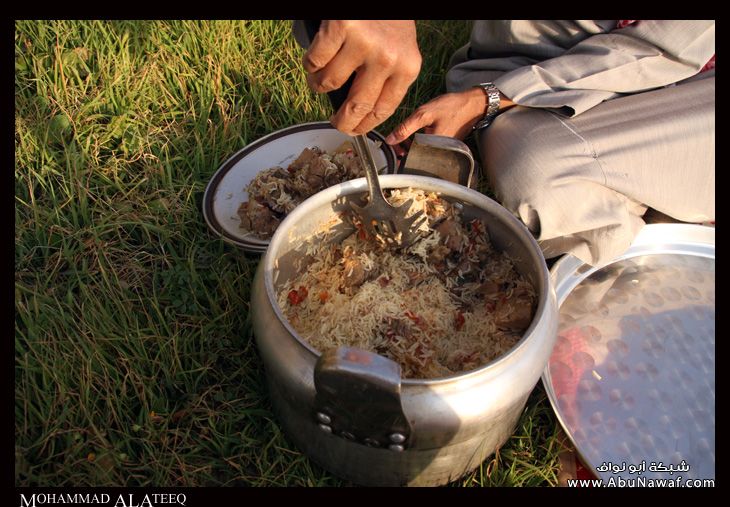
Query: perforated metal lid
{"points": [[632, 375]]}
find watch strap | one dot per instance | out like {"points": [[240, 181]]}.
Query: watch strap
{"points": [[492, 105]]}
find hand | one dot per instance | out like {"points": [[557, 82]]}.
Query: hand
{"points": [[385, 56], [452, 114]]}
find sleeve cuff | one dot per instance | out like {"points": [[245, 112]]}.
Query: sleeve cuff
{"points": [[525, 88]]}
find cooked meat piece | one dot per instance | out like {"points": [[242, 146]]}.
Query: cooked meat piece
{"points": [[462, 361], [415, 277], [281, 173], [336, 172], [304, 158], [336, 252], [281, 190], [265, 221], [259, 218], [514, 314], [521, 292], [451, 234], [271, 187], [355, 273], [400, 327], [446, 227], [483, 253], [488, 288], [352, 166], [464, 267], [334, 177], [438, 254], [315, 175], [243, 214]]}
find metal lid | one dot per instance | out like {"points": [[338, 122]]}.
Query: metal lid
{"points": [[227, 188], [632, 374]]}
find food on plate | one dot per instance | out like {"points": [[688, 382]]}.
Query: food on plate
{"points": [[274, 192], [449, 303]]}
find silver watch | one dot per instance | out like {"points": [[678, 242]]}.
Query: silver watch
{"points": [[493, 97]]}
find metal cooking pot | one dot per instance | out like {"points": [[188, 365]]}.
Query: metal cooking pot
{"points": [[349, 410]]}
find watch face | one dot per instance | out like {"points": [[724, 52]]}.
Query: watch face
{"points": [[483, 123]]}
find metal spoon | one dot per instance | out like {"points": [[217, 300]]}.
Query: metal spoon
{"points": [[380, 219]]}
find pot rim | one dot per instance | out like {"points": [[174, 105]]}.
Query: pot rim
{"points": [[445, 188]]}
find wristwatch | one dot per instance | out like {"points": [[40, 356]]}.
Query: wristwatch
{"points": [[493, 99]]}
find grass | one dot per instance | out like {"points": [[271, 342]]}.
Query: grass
{"points": [[134, 364]]}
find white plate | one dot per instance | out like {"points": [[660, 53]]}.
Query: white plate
{"points": [[227, 189]]}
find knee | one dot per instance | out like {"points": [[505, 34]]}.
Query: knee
{"points": [[516, 154]]}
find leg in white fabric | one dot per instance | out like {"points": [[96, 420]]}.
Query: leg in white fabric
{"points": [[582, 184]]}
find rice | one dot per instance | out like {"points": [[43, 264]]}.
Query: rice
{"points": [[448, 304], [276, 191]]}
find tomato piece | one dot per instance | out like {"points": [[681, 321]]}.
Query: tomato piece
{"points": [[297, 296], [415, 318], [459, 322]]}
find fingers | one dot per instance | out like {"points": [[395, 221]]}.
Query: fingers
{"points": [[401, 150], [421, 118], [391, 96], [385, 57], [324, 47], [375, 95], [333, 62], [361, 102], [451, 114], [340, 67]]}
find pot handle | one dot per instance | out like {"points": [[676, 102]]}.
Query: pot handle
{"points": [[358, 398]]}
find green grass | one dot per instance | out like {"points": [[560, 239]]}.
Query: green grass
{"points": [[133, 358]]}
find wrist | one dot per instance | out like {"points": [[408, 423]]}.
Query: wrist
{"points": [[496, 103], [504, 102], [476, 103]]}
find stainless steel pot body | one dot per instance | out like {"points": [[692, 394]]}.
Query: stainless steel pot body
{"points": [[350, 411]]}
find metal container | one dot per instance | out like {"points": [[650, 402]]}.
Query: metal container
{"points": [[443, 157], [632, 374], [349, 410]]}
